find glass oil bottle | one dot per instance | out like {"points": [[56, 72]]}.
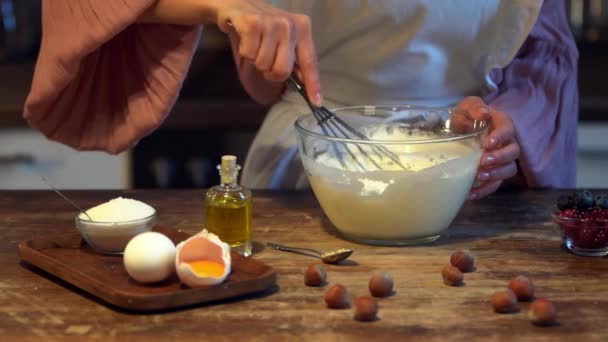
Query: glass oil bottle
{"points": [[229, 208]]}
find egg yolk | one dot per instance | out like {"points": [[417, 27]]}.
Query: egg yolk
{"points": [[206, 268]]}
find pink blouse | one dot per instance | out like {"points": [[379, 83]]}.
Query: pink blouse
{"points": [[102, 82]]}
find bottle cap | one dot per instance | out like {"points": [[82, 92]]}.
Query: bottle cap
{"points": [[228, 162], [228, 169]]}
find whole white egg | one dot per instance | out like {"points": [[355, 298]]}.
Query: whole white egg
{"points": [[149, 257]]}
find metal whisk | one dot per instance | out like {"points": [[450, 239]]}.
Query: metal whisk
{"points": [[332, 125]]}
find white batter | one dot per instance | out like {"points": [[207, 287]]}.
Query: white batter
{"points": [[394, 204]]}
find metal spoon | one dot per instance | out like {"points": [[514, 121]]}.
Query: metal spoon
{"points": [[64, 197], [330, 257]]}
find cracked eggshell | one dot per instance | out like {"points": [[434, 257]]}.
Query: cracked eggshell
{"points": [[202, 247]]}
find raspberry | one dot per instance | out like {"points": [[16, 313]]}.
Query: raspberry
{"points": [[570, 213], [600, 239], [586, 237], [592, 235], [594, 214]]}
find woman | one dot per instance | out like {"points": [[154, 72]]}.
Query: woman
{"points": [[109, 72]]}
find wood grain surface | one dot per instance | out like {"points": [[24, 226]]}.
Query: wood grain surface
{"points": [[509, 233]]}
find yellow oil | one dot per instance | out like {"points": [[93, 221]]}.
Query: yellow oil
{"points": [[228, 215]]}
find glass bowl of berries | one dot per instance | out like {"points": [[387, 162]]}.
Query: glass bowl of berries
{"points": [[582, 220]]}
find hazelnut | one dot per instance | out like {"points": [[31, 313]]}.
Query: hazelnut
{"points": [[463, 260], [365, 309], [542, 312], [315, 275], [337, 297], [504, 301], [381, 284], [522, 287], [451, 276]]}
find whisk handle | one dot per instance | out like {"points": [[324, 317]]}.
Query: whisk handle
{"points": [[293, 81]]}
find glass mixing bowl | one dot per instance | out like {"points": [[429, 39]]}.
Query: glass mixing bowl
{"points": [[374, 198]]}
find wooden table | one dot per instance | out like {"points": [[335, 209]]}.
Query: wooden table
{"points": [[510, 234]]}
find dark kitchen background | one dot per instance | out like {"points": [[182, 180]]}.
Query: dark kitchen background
{"points": [[214, 116]]}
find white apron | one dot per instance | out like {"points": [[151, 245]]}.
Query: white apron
{"points": [[432, 52]]}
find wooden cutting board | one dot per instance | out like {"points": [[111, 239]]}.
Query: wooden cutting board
{"points": [[67, 257]]}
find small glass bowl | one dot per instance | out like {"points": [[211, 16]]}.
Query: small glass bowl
{"points": [[583, 236], [112, 237]]}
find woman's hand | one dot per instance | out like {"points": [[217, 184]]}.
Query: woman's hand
{"points": [[267, 42], [272, 40], [501, 149]]}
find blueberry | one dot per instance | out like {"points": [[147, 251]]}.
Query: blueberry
{"points": [[584, 200], [602, 202], [564, 202]]}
